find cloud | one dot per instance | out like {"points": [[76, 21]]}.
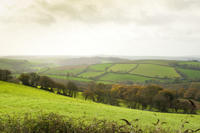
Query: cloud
{"points": [[142, 12]]}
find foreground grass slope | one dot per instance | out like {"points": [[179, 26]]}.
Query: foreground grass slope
{"points": [[21, 99]]}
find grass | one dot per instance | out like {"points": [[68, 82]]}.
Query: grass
{"points": [[90, 74], [122, 67], [99, 67], [191, 63], [21, 99], [115, 77], [152, 70], [64, 72], [70, 78], [190, 74]]}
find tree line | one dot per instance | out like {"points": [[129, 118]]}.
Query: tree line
{"points": [[46, 83], [150, 97]]}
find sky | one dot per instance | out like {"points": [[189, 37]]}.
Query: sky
{"points": [[100, 27]]}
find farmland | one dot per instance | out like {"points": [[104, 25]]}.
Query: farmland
{"points": [[90, 74], [70, 78], [152, 70], [99, 67], [122, 67], [21, 102], [123, 77], [190, 74], [139, 71]]}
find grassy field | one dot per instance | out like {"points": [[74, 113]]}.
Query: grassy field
{"points": [[19, 99], [191, 63], [90, 74], [64, 72], [152, 70], [70, 78], [123, 77], [99, 67], [122, 67], [190, 74]]}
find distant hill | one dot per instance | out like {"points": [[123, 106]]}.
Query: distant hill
{"points": [[107, 70], [16, 66], [68, 60]]}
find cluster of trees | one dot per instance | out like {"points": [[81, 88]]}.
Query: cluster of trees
{"points": [[100, 93], [5, 75], [46, 83], [149, 97]]}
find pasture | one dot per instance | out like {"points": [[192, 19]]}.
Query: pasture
{"points": [[190, 74], [123, 77], [16, 100], [70, 78], [122, 68], [99, 67], [157, 71], [90, 74]]}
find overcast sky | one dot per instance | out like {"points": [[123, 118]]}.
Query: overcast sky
{"points": [[100, 27]]}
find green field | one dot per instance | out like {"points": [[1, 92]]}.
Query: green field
{"points": [[70, 78], [99, 67], [152, 70], [190, 74], [122, 67], [91, 74], [191, 63], [64, 72], [123, 77], [19, 99]]}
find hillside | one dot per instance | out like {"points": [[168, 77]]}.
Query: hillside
{"points": [[20, 99]]}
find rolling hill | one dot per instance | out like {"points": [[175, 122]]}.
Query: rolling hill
{"points": [[140, 71], [18, 100]]}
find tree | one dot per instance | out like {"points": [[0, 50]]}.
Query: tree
{"points": [[89, 93], [30, 79], [130, 96], [24, 78], [34, 79], [60, 88], [190, 93], [46, 83], [163, 100], [5, 75], [146, 95], [72, 89]]}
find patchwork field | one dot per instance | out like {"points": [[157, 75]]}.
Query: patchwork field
{"points": [[152, 70], [122, 67], [138, 71], [17, 99]]}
